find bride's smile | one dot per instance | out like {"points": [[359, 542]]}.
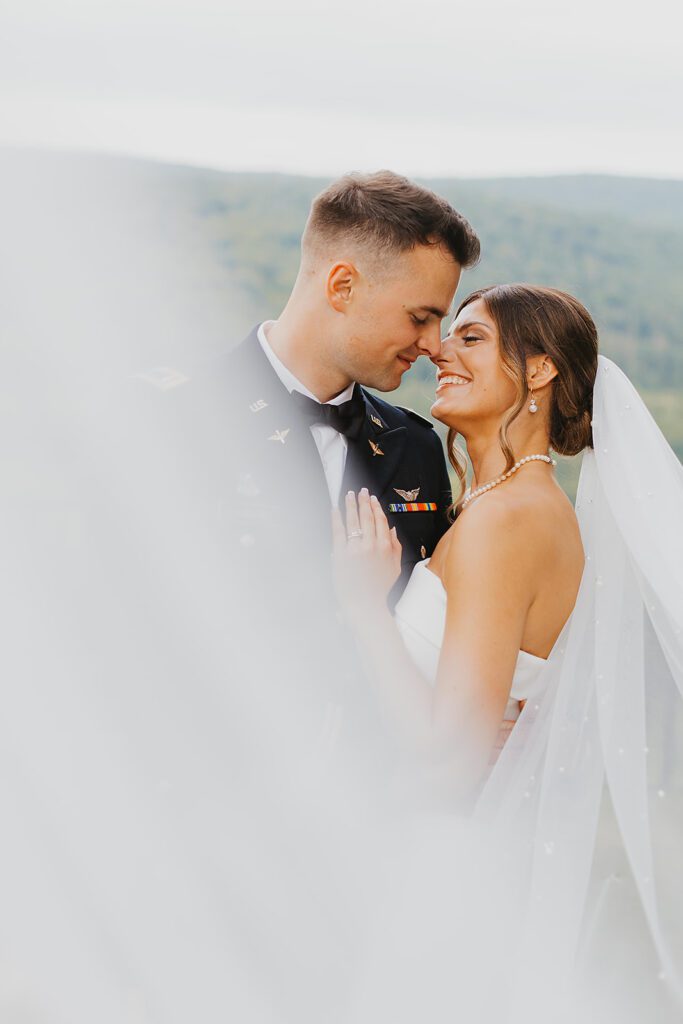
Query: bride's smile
{"points": [[445, 379]]}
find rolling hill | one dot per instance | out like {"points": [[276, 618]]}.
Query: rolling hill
{"points": [[616, 243]]}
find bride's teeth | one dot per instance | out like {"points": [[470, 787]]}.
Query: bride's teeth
{"points": [[454, 379]]}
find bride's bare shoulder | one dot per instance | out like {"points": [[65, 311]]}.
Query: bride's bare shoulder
{"points": [[511, 528]]}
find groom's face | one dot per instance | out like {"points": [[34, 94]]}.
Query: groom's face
{"points": [[395, 315]]}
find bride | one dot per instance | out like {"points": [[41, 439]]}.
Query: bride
{"points": [[515, 376], [574, 617]]}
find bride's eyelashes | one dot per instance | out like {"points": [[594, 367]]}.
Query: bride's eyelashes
{"points": [[470, 337]]}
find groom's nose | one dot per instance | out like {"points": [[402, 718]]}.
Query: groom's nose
{"points": [[429, 342]]}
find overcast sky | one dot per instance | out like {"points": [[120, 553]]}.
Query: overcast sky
{"points": [[480, 88]]}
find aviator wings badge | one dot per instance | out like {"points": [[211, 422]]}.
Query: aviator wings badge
{"points": [[376, 450], [408, 495]]}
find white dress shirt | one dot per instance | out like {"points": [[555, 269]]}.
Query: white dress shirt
{"points": [[332, 446]]}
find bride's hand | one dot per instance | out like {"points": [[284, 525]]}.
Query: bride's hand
{"points": [[366, 557]]}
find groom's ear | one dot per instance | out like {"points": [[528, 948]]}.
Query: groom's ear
{"points": [[540, 370], [341, 281]]}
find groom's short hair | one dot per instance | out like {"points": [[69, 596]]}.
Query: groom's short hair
{"points": [[391, 214]]}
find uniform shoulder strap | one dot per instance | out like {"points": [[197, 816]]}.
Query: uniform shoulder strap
{"points": [[416, 416]]}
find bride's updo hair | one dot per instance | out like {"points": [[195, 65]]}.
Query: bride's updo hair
{"points": [[534, 320]]}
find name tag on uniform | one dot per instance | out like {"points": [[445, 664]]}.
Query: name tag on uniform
{"points": [[414, 506]]}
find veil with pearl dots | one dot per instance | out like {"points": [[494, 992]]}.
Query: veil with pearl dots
{"points": [[591, 780]]}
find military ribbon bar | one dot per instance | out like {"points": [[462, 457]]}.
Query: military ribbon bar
{"points": [[414, 506]]}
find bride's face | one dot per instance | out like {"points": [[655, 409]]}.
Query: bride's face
{"points": [[472, 386]]}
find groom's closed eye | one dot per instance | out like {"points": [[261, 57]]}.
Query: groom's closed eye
{"points": [[428, 312]]}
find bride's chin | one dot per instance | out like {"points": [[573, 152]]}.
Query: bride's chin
{"points": [[439, 412]]}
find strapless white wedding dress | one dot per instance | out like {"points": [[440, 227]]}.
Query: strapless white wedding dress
{"points": [[421, 617]]}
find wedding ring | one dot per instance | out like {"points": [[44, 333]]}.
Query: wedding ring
{"points": [[354, 534]]}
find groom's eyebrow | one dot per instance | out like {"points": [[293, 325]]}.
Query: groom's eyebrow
{"points": [[435, 310]]}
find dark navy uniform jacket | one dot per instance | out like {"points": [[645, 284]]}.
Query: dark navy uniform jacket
{"points": [[280, 485]]}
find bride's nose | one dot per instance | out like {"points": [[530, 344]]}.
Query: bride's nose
{"points": [[442, 353]]}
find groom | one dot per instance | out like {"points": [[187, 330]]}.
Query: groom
{"points": [[381, 259]]}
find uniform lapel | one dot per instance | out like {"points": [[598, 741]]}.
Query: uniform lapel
{"points": [[279, 441], [375, 455]]}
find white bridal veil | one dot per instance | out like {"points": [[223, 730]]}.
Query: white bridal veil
{"points": [[593, 775], [182, 838]]}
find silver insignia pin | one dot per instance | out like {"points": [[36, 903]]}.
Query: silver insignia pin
{"points": [[408, 495], [258, 405], [279, 435]]}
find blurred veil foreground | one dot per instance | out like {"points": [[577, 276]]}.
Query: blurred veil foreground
{"points": [[203, 818]]}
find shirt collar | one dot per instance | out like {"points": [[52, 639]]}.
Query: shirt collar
{"points": [[288, 378]]}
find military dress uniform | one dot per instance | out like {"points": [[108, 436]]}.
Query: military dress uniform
{"points": [[281, 486]]}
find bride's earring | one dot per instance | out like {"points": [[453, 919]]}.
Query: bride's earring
{"points": [[532, 404]]}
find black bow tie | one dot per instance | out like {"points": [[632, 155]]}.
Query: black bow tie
{"points": [[347, 418]]}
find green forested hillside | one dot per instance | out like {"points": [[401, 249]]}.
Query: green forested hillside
{"points": [[648, 201], [616, 243], [627, 275]]}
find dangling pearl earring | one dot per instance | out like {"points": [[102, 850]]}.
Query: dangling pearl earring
{"points": [[532, 404]]}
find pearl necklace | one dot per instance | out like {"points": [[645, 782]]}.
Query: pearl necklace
{"points": [[470, 496]]}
